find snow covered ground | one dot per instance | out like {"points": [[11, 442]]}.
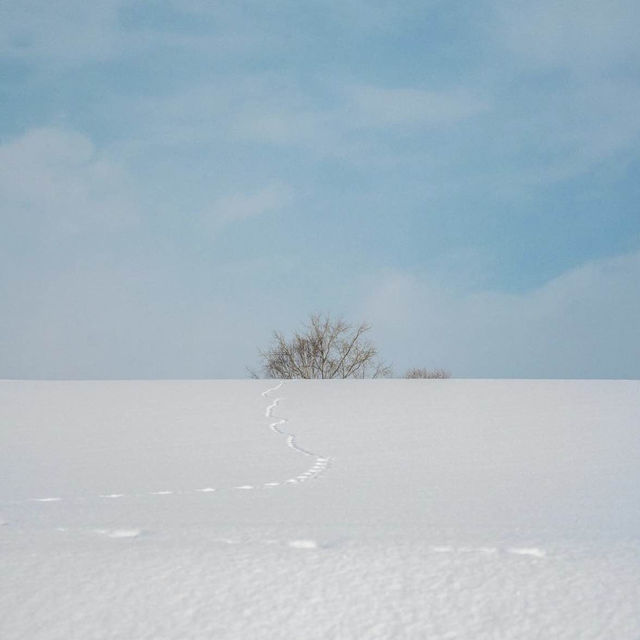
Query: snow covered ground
{"points": [[320, 509]]}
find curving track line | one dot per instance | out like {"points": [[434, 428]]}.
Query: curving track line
{"points": [[319, 467], [321, 463]]}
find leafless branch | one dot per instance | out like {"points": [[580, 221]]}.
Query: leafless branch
{"points": [[327, 348], [436, 374]]}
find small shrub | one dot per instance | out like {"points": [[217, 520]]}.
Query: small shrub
{"points": [[325, 348], [433, 374]]}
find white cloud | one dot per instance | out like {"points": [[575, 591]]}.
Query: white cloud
{"points": [[577, 130], [380, 107], [352, 114], [120, 321], [581, 324], [56, 182], [242, 206], [70, 33], [66, 31], [578, 34], [581, 59]]}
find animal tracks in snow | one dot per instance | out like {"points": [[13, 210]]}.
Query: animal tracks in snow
{"points": [[277, 425], [534, 552], [487, 552], [321, 463]]}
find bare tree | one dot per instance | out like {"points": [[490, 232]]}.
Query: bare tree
{"points": [[437, 374], [327, 348]]}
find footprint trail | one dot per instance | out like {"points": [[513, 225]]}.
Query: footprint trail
{"points": [[321, 463], [277, 425]]}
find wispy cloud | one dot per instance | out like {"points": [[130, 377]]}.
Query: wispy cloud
{"points": [[67, 32], [374, 106], [73, 33], [352, 114], [243, 206], [580, 324], [582, 35], [55, 182]]}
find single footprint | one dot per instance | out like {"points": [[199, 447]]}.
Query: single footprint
{"points": [[303, 544], [528, 551], [124, 533], [118, 533]]}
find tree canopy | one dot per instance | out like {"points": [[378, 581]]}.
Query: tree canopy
{"points": [[325, 348]]}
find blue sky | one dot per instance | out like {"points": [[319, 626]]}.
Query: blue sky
{"points": [[178, 179]]}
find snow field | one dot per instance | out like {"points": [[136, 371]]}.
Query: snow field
{"points": [[366, 509]]}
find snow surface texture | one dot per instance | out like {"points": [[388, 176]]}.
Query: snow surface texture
{"points": [[347, 509]]}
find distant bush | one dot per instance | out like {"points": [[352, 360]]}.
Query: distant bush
{"points": [[434, 374], [325, 348]]}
